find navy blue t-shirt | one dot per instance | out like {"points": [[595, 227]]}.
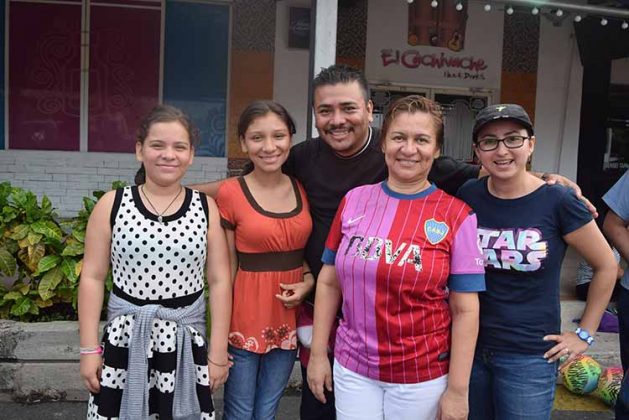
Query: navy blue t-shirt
{"points": [[523, 247]]}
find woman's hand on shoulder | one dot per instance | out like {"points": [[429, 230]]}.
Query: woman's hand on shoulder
{"points": [[552, 179], [453, 405]]}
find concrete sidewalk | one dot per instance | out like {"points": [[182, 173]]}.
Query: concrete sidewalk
{"points": [[10, 410], [568, 407]]}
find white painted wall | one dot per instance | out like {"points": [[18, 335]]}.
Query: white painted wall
{"points": [[290, 73], [620, 71], [67, 177], [558, 100]]}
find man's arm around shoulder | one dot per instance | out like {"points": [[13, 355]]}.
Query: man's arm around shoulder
{"points": [[209, 188]]}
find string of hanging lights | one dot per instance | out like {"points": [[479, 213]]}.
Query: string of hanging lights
{"points": [[556, 7]]}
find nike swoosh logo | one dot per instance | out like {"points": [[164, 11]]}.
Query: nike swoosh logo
{"points": [[351, 221]]}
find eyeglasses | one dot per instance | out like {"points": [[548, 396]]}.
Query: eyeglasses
{"points": [[490, 143]]}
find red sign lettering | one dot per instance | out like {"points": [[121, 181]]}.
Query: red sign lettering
{"points": [[413, 59]]}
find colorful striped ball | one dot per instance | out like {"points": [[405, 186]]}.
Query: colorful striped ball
{"points": [[581, 375], [609, 385]]}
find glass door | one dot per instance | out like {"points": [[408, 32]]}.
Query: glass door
{"points": [[459, 111]]}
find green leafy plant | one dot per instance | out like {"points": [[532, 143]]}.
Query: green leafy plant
{"points": [[41, 255]]}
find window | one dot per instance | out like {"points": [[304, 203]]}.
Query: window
{"points": [[65, 94], [195, 68], [44, 75], [123, 71]]}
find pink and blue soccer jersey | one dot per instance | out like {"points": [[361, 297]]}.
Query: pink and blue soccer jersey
{"points": [[396, 258]]}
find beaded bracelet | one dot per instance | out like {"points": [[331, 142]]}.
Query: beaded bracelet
{"points": [[306, 272], [91, 350]]}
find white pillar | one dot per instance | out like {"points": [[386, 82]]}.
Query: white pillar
{"points": [[323, 43]]}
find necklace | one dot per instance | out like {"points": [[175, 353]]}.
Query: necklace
{"points": [[160, 215]]}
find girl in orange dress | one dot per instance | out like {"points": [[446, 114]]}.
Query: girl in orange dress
{"points": [[267, 219]]}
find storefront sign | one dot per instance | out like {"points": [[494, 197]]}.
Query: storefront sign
{"points": [[409, 54], [412, 59]]}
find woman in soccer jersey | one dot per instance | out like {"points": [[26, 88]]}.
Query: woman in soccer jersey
{"points": [[402, 256], [525, 226]]}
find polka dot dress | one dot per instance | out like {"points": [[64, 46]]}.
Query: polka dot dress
{"points": [[154, 263]]}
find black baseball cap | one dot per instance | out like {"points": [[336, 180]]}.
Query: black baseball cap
{"points": [[502, 112]]}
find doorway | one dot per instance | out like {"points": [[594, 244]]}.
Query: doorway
{"points": [[459, 110]]}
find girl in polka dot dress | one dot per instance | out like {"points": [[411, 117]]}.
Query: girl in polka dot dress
{"points": [[158, 237]]}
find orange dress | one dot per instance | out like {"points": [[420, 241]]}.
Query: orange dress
{"points": [[270, 250]]}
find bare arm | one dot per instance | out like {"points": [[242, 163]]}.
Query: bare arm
{"points": [[616, 231], [590, 243], [327, 300], [92, 286], [220, 285], [233, 256], [464, 308], [209, 188]]}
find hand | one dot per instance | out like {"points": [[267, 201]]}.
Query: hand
{"points": [[91, 366], [294, 294], [453, 406], [319, 376], [552, 179], [218, 372], [218, 376], [568, 346]]}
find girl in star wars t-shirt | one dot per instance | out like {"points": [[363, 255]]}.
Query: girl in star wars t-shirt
{"points": [[524, 227]]}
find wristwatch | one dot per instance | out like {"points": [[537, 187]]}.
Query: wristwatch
{"points": [[584, 335]]}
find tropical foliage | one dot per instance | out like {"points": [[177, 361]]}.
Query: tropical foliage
{"points": [[41, 256]]}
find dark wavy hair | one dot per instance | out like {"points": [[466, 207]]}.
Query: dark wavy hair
{"points": [[341, 73], [164, 114], [412, 104]]}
